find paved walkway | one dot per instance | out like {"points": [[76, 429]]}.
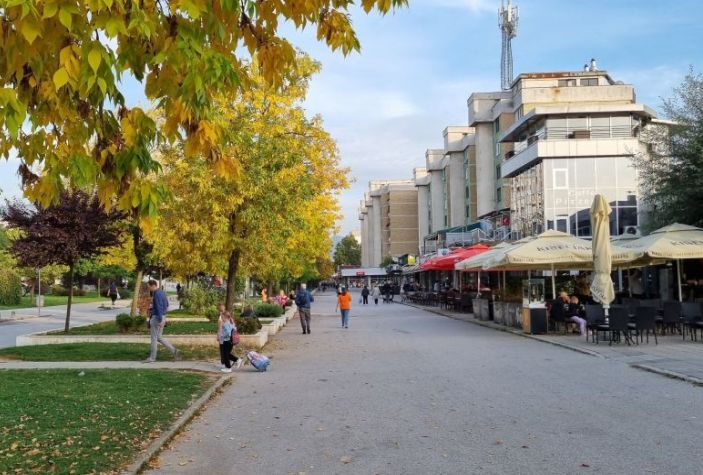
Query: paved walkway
{"points": [[54, 318], [403, 391], [673, 356]]}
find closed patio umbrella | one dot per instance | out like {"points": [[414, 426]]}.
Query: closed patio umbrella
{"points": [[602, 288], [675, 242]]}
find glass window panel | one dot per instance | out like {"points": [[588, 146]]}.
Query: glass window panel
{"points": [[585, 173], [584, 223], [562, 223], [561, 179], [605, 173], [626, 217], [578, 123]]}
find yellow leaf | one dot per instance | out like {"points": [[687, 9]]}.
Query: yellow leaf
{"points": [[60, 78], [30, 31], [94, 59], [65, 18], [50, 10]]}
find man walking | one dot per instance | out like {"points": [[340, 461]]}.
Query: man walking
{"points": [[303, 300], [365, 295], [157, 321]]}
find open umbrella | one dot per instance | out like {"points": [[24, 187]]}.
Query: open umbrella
{"points": [[447, 263], [676, 242], [602, 285], [552, 250]]}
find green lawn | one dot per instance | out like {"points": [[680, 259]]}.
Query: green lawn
{"points": [[56, 421], [182, 313], [172, 328], [51, 300], [103, 352]]}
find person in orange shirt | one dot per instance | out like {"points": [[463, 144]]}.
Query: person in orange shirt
{"points": [[344, 305]]}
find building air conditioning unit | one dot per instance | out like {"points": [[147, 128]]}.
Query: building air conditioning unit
{"points": [[632, 231]]}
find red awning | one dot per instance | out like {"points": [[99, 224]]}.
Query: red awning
{"points": [[446, 263]]}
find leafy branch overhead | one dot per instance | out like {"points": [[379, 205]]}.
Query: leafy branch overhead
{"points": [[64, 65]]}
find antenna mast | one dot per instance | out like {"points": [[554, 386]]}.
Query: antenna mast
{"points": [[507, 22]]}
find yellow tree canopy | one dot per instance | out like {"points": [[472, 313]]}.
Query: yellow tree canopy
{"points": [[65, 66], [277, 204]]}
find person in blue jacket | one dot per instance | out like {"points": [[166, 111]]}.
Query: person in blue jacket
{"points": [[157, 320]]}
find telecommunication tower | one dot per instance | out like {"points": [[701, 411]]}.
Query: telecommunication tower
{"points": [[507, 22]]}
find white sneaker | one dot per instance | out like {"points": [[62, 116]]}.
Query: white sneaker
{"points": [[226, 370]]}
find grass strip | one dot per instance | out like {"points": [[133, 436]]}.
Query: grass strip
{"points": [[104, 352], [89, 421], [173, 327]]}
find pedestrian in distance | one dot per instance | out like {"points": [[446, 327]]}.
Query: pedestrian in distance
{"points": [[281, 299], [113, 292], [157, 320], [264, 296], [303, 299], [375, 293], [365, 295], [344, 306], [226, 327]]}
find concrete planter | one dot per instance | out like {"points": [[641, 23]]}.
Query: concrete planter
{"points": [[499, 312], [476, 304], [186, 319], [270, 328], [253, 341]]}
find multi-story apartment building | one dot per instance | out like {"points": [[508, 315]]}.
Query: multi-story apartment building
{"points": [[389, 221], [531, 158]]}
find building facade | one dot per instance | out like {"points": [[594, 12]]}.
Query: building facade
{"points": [[389, 221], [529, 159]]}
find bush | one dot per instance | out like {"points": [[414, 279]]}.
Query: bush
{"points": [[125, 322], [10, 287], [211, 313], [197, 300], [63, 291], [268, 310], [248, 326]]}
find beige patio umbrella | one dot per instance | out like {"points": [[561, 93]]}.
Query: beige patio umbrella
{"points": [[674, 242], [476, 262], [602, 288], [553, 250]]}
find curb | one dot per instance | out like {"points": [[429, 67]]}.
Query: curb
{"points": [[156, 446], [668, 374], [511, 331]]}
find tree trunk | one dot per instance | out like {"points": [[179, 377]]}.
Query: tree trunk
{"points": [[135, 296], [98, 286], [70, 298], [232, 268]]}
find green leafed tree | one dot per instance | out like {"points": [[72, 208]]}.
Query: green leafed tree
{"points": [[671, 174], [347, 252]]}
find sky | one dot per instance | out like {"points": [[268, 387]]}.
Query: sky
{"points": [[389, 103]]}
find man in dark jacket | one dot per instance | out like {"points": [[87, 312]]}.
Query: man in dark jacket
{"points": [[159, 305], [303, 299]]}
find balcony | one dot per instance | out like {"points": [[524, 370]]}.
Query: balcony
{"points": [[563, 142]]}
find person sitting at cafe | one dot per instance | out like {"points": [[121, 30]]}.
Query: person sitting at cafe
{"points": [[559, 310], [575, 314]]}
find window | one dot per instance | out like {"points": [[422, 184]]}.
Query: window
{"points": [[567, 82], [498, 172], [561, 179], [499, 194], [589, 82]]}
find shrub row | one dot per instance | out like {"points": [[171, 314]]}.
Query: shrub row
{"points": [[10, 287]]}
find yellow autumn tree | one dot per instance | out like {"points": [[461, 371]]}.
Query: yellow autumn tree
{"points": [[272, 210], [63, 107]]}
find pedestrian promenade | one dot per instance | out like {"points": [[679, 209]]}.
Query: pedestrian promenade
{"points": [[672, 356], [403, 390]]}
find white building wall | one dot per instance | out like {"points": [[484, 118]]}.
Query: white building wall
{"points": [[376, 257], [457, 189], [485, 169], [423, 221]]}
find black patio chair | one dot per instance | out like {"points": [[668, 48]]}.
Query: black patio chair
{"points": [[645, 320], [672, 317], [465, 303], [595, 316], [557, 315], [618, 325], [692, 319]]}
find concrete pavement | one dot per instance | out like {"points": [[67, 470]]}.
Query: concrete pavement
{"points": [[54, 318], [404, 391]]}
